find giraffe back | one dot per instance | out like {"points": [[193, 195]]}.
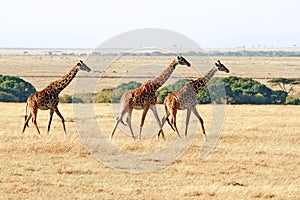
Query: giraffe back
{"points": [[47, 98], [145, 95], [186, 97]]}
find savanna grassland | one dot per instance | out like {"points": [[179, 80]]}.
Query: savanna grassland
{"points": [[256, 157]]}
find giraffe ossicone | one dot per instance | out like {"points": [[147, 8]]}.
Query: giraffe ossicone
{"points": [[48, 98]]}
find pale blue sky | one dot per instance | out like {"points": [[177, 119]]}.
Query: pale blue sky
{"points": [[210, 23]]}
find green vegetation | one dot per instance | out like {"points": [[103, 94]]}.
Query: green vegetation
{"points": [[292, 101], [14, 89], [286, 84], [113, 95], [249, 91], [163, 92], [238, 91], [107, 95]]}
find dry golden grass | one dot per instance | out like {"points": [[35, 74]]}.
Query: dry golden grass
{"points": [[257, 157], [41, 69]]}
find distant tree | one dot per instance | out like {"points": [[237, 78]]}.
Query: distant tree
{"points": [[238, 91], [113, 95], [83, 97], [65, 99], [293, 101], [164, 91], [162, 94], [118, 91], [246, 91], [5, 97], [104, 96], [286, 84], [17, 87], [278, 97]]}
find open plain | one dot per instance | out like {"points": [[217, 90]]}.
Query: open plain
{"points": [[256, 157]]}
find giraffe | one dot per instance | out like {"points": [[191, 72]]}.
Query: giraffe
{"points": [[186, 99], [48, 97], [144, 97]]}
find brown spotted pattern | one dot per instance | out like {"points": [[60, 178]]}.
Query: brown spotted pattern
{"points": [[48, 98], [186, 99], [144, 97]]}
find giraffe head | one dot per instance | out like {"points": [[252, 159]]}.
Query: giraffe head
{"points": [[83, 66], [221, 67], [182, 61]]}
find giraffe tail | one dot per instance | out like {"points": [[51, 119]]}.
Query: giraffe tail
{"points": [[167, 118], [26, 114]]}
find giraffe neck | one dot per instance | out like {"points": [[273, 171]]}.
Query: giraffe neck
{"points": [[202, 81], [66, 79], [163, 77]]}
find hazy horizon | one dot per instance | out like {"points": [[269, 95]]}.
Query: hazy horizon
{"points": [[211, 24]]}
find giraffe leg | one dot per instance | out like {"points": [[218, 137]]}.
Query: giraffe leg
{"points": [[200, 119], [27, 117], [119, 119], [153, 108], [173, 122], [188, 115], [128, 121], [26, 122], [34, 117], [50, 120], [164, 119], [62, 120], [142, 121], [171, 110]]}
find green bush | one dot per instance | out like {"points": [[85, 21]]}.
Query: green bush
{"points": [[74, 99], [83, 97], [238, 91], [162, 94], [15, 89], [249, 91], [278, 97], [5, 97], [113, 95], [164, 91], [118, 91], [65, 99], [104, 96], [293, 101]]}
